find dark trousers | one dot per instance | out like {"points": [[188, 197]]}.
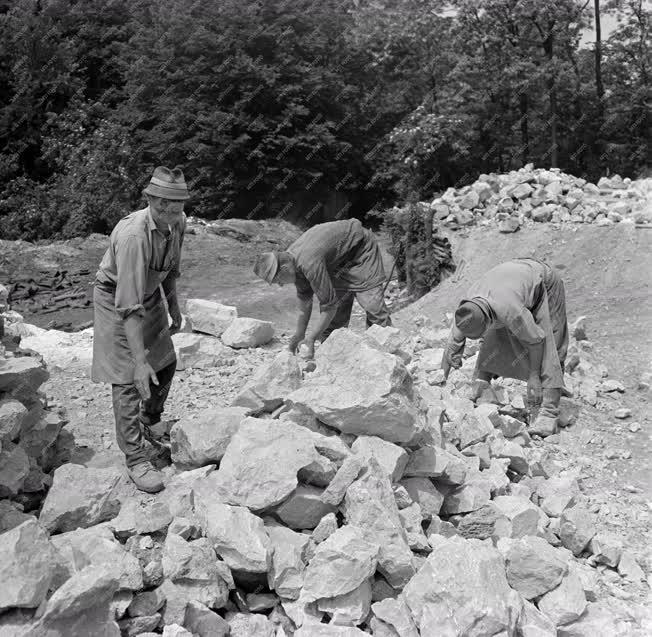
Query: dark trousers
{"points": [[132, 413], [372, 302]]}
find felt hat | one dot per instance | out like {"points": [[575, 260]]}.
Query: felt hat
{"points": [[470, 319], [168, 184], [266, 266]]}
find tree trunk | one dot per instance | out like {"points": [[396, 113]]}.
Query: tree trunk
{"points": [[525, 136], [548, 47], [599, 87]]}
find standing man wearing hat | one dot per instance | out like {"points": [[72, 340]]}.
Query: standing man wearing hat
{"points": [[518, 308], [132, 345], [336, 261]]}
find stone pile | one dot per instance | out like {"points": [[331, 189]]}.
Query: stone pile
{"points": [[540, 195], [211, 331], [363, 497], [33, 441]]}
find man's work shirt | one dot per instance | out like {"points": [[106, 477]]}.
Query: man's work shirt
{"points": [[514, 290], [139, 258], [338, 255]]}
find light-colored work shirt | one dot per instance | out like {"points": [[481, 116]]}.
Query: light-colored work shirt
{"points": [[139, 258], [338, 255]]}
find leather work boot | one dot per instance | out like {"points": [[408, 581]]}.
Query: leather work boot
{"points": [[547, 420], [146, 478]]}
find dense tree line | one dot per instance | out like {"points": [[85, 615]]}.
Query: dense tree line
{"points": [[304, 108]]}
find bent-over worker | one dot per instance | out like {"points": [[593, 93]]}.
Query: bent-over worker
{"points": [[518, 308], [336, 261], [132, 346]]}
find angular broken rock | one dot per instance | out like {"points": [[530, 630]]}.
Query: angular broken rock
{"points": [[605, 549], [12, 415], [533, 566], [21, 376], [210, 317], [304, 508], [512, 451], [533, 623], [174, 630], [392, 458], [260, 466], [629, 568], [136, 518], [526, 517], [238, 536], [347, 473], [434, 462], [14, 469], [80, 497], [423, 491], [360, 389], [576, 529], [195, 351], [474, 427], [329, 630], [287, 548], [326, 527], [202, 621], [558, 494], [340, 564], [622, 413], [193, 567], [370, 504], [566, 603], [271, 384], [470, 496], [97, 547], [462, 584], [486, 522], [411, 518], [248, 332], [250, 625], [349, 608], [81, 606], [396, 613], [202, 439], [27, 564], [146, 603], [598, 619]]}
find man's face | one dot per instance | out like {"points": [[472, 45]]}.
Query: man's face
{"points": [[168, 210]]}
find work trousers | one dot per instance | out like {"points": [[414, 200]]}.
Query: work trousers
{"points": [[372, 302], [132, 414]]}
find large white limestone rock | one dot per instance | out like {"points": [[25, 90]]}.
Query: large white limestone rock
{"points": [[96, 546], [340, 564], [27, 565], [566, 603], [80, 497], [360, 389], [248, 332], [350, 608], [392, 458], [287, 547], [462, 588], [238, 536], [202, 439], [271, 384], [199, 351], [210, 317], [370, 504], [259, 468], [533, 566]]}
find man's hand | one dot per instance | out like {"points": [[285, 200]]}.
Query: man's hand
{"points": [[175, 315], [534, 390], [309, 344], [293, 344], [143, 374]]}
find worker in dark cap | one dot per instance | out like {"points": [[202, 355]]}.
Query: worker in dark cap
{"points": [[518, 309], [337, 262]]}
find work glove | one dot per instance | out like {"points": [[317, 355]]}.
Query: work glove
{"points": [[452, 356]]}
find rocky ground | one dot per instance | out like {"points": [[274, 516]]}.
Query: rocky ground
{"points": [[363, 497]]}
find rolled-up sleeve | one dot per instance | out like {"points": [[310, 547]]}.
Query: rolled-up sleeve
{"points": [[132, 262]]}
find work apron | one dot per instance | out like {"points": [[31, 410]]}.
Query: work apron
{"points": [[502, 354], [112, 358]]}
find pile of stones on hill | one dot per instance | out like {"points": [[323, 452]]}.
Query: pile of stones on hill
{"points": [[363, 497], [33, 441], [540, 195]]}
